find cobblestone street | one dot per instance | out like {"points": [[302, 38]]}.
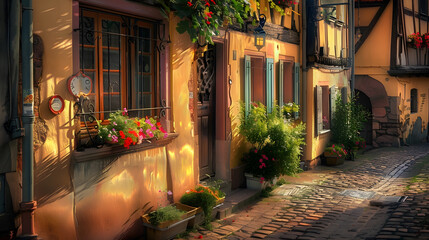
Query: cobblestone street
{"points": [[334, 202]]}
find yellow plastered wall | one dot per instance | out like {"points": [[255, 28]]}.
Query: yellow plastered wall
{"points": [[184, 167], [53, 22], [315, 145], [375, 52], [242, 43]]}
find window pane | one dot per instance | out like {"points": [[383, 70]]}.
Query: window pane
{"points": [[111, 103], [145, 43], [145, 64], [109, 29], [94, 80], [147, 83], [111, 59], [111, 82], [87, 27], [147, 103], [87, 58]]}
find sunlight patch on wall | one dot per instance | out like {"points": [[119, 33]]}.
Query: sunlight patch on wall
{"points": [[120, 185]]}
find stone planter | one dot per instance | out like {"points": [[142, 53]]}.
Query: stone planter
{"points": [[169, 229], [254, 183]]}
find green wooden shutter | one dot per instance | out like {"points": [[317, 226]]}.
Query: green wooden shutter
{"points": [[296, 86], [270, 83], [247, 83], [333, 91], [319, 107], [281, 74]]}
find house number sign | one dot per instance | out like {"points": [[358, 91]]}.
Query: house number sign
{"points": [[79, 84]]}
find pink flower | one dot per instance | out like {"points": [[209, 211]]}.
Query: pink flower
{"points": [[264, 157], [260, 160], [114, 123], [169, 193], [148, 122], [333, 146], [114, 138], [125, 112], [256, 151], [273, 160], [262, 179], [165, 135], [149, 133], [260, 166]]}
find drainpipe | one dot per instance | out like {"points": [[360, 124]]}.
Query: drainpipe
{"points": [[304, 61], [352, 45], [28, 205]]}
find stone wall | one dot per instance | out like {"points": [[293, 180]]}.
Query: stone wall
{"points": [[386, 125]]}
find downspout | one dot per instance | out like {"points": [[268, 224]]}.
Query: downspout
{"points": [[352, 45], [304, 61], [28, 205], [308, 136]]}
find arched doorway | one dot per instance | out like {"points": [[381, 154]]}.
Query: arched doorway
{"points": [[364, 100]]}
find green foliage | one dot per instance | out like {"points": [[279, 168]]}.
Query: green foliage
{"points": [[347, 122], [276, 142], [200, 197], [290, 109], [164, 214], [280, 182], [203, 18]]}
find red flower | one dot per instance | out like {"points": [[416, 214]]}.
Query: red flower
{"points": [[158, 124], [134, 133], [209, 14], [122, 134], [138, 123], [128, 142], [189, 4], [213, 2], [207, 4], [208, 22]]}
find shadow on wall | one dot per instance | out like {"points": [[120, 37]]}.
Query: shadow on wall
{"points": [[418, 133]]}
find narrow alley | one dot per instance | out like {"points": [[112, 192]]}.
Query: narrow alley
{"points": [[334, 202]]}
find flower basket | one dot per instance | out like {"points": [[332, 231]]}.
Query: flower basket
{"points": [[169, 229], [333, 159]]}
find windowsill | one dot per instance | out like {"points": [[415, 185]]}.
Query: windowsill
{"points": [[324, 131], [117, 150]]}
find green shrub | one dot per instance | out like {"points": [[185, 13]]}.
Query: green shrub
{"points": [[347, 122], [200, 197], [164, 214], [276, 142]]}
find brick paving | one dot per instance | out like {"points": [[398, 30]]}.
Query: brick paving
{"points": [[320, 210]]}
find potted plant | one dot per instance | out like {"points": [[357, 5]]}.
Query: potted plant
{"points": [[276, 145], [205, 198], [426, 39], [335, 155], [167, 222], [126, 131]]}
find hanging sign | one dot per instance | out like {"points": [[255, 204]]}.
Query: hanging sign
{"points": [[79, 84], [56, 104]]}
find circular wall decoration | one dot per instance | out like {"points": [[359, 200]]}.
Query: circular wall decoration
{"points": [[79, 83], [56, 104]]}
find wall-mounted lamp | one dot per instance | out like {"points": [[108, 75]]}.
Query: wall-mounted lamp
{"points": [[260, 33]]}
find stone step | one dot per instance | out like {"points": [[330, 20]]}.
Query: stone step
{"points": [[238, 199]]}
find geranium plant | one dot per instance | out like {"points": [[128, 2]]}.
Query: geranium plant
{"points": [[336, 150], [276, 142], [129, 131], [204, 17], [416, 40]]}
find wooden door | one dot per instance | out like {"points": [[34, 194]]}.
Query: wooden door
{"points": [[206, 111]]}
